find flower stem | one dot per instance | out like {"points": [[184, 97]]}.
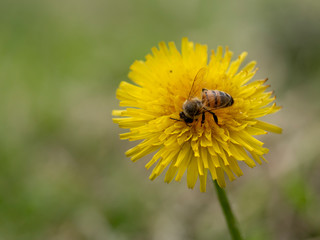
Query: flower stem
{"points": [[231, 221]]}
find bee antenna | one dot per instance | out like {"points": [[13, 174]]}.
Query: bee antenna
{"points": [[175, 119]]}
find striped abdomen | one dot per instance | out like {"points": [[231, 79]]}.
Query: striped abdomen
{"points": [[216, 99]]}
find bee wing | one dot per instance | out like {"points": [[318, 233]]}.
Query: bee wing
{"points": [[195, 87], [200, 76]]}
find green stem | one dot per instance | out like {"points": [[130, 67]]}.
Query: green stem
{"points": [[231, 221]]}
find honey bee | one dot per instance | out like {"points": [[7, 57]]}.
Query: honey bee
{"points": [[211, 100]]}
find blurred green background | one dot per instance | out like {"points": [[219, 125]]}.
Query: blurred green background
{"points": [[63, 172]]}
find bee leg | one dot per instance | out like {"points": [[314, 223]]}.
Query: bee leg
{"points": [[203, 118], [214, 117]]}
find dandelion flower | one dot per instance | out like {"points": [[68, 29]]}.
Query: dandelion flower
{"points": [[161, 85]]}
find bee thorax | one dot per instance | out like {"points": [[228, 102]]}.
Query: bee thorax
{"points": [[192, 108]]}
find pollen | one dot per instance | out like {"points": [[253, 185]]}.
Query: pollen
{"points": [[217, 136]]}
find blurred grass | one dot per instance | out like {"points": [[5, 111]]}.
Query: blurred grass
{"points": [[63, 173]]}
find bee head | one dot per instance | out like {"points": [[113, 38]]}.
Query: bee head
{"points": [[185, 118]]}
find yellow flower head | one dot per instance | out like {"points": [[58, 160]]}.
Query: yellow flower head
{"points": [[215, 133]]}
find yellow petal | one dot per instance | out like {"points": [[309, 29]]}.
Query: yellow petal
{"points": [[268, 127]]}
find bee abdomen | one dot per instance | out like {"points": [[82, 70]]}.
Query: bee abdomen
{"points": [[216, 99]]}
